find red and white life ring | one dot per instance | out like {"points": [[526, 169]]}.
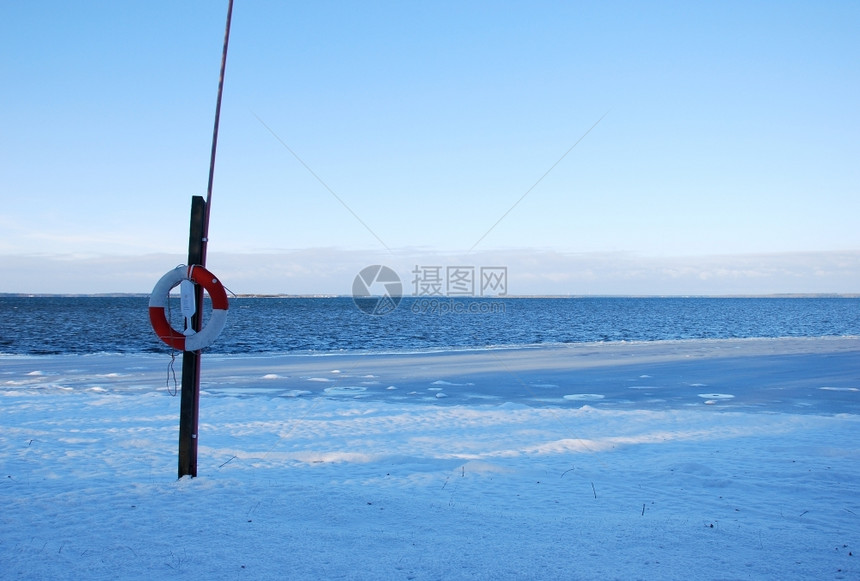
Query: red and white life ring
{"points": [[158, 308]]}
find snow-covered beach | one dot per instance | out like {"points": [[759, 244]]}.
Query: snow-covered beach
{"points": [[706, 459]]}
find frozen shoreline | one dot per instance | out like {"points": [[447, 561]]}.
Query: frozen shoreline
{"points": [[768, 374], [586, 461]]}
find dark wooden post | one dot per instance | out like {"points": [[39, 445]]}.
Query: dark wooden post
{"points": [[198, 239], [189, 410]]}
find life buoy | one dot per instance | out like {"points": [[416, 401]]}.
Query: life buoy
{"points": [[158, 308]]}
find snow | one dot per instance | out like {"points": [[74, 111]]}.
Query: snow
{"points": [[738, 460]]}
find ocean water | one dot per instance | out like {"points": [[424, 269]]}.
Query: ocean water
{"points": [[82, 325]]}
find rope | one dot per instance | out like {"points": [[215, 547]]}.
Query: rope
{"points": [[171, 370], [171, 373]]}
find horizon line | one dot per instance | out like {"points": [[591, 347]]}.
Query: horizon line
{"points": [[444, 297]]}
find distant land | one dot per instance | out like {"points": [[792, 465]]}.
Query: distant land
{"points": [[512, 297]]}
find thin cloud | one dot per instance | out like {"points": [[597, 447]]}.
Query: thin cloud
{"points": [[529, 271]]}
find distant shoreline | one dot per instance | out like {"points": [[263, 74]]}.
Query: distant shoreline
{"points": [[512, 297]]}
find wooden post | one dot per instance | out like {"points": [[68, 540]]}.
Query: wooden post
{"points": [[198, 239], [189, 407]]}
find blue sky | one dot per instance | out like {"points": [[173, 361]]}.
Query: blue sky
{"points": [[725, 159]]}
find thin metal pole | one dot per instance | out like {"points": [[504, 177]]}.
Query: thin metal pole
{"points": [[215, 133]]}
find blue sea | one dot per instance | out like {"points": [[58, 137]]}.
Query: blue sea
{"points": [[86, 325]]}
